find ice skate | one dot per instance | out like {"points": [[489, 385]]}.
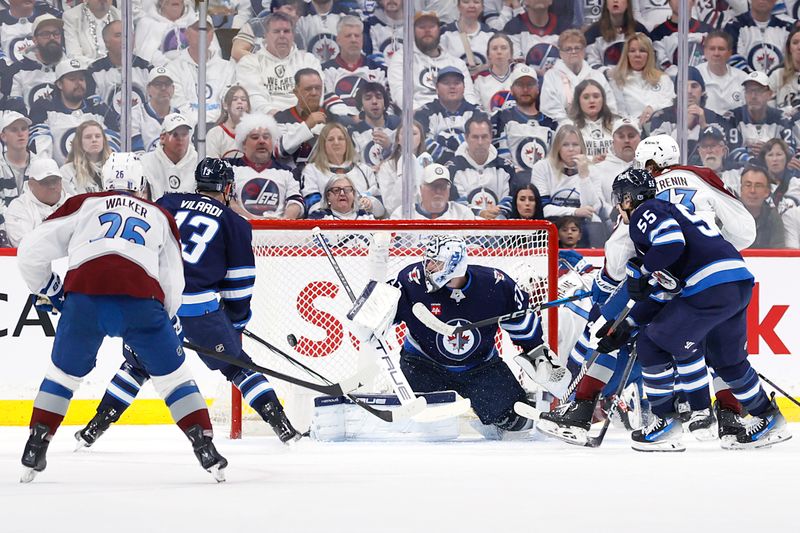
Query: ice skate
{"points": [[210, 459], [96, 427], [660, 435], [729, 422], [570, 422], [703, 425], [759, 431], [276, 417], [34, 456]]}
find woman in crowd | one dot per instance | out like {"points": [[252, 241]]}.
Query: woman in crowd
{"points": [[526, 204], [83, 171], [161, 33], [784, 178], [468, 37], [390, 173], [334, 154], [340, 201], [592, 116], [492, 86], [785, 81], [221, 139], [605, 37], [640, 87], [564, 181]]}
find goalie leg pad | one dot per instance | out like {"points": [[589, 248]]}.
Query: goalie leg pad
{"points": [[374, 310]]}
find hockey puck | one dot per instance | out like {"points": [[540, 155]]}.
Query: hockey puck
{"points": [[292, 340]]}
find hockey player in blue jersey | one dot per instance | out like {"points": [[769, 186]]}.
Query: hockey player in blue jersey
{"points": [[708, 312], [218, 261], [469, 362]]}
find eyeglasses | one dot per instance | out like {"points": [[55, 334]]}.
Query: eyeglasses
{"points": [[572, 49], [49, 34], [339, 190]]}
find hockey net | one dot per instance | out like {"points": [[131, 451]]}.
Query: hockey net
{"points": [[298, 293]]}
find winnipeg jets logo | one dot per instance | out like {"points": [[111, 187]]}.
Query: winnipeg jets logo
{"points": [[498, 276], [460, 345], [414, 276], [688, 345], [531, 151]]}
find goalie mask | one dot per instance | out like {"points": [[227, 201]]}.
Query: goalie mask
{"points": [[445, 259]]}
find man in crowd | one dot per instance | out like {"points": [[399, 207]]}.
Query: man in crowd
{"points": [[434, 198], [374, 134], [754, 194], [41, 196], [301, 124], [170, 167]]}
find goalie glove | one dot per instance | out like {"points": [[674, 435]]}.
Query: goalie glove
{"points": [[51, 298], [541, 368], [374, 310]]}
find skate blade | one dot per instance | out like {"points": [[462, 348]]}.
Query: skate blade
{"points": [[729, 442], [666, 446], [81, 444], [28, 475], [217, 473], [575, 436]]}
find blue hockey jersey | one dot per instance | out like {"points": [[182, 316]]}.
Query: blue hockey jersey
{"points": [[217, 256], [670, 237], [489, 292]]}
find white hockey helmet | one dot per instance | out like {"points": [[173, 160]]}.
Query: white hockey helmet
{"points": [[123, 172], [445, 258], [661, 149]]}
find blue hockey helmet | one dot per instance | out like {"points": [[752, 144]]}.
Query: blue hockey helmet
{"points": [[445, 258], [214, 175], [634, 184]]}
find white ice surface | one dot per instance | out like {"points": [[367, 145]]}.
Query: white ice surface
{"points": [[146, 479]]}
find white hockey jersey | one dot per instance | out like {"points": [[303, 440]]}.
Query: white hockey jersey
{"points": [[83, 32], [361, 175], [453, 44], [164, 176], [382, 36], [16, 35], [758, 46], [493, 91], [31, 81], [220, 75], [108, 81], [221, 142], [480, 186], [723, 93], [127, 260], [562, 195], [558, 89], [787, 94], [426, 68], [318, 34], [637, 93], [146, 124], [265, 193]]}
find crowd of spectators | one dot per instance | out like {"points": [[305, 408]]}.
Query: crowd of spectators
{"points": [[522, 108]]}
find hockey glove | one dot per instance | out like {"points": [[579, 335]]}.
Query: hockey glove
{"points": [[638, 283], [611, 342], [178, 327], [51, 298], [239, 325]]}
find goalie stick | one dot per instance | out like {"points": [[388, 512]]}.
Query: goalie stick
{"points": [[401, 413], [398, 381], [425, 316]]}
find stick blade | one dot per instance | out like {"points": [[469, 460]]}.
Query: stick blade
{"points": [[427, 318], [528, 411]]}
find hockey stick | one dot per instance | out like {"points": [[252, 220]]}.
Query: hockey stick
{"points": [[772, 384], [385, 415], [587, 363], [333, 389], [430, 321], [594, 442]]}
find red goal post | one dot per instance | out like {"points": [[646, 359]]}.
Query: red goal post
{"points": [[297, 292]]}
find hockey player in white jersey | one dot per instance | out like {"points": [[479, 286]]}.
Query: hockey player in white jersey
{"points": [[124, 279]]}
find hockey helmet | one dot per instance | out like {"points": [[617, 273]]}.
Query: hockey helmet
{"points": [[213, 175], [634, 184], [445, 258], [123, 171], [661, 149]]}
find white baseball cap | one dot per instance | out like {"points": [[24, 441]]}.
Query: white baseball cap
{"points": [[435, 172], [43, 167], [159, 72], [47, 17], [174, 121], [623, 122], [10, 117], [68, 66], [758, 77], [523, 71]]}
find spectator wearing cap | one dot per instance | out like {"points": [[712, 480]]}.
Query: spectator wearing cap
{"points": [[16, 26], [522, 132], [445, 118], [249, 39], [269, 75], [383, 30], [33, 77], [301, 124], [70, 105], [84, 25], [481, 179], [640, 87], [263, 187], [350, 69], [220, 74], [712, 152], [558, 86], [723, 83], [468, 37], [14, 160], [434, 198], [148, 117], [161, 33], [535, 29], [170, 167], [699, 116], [447, 10], [756, 122], [106, 71], [317, 26], [666, 38], [221, 139], [590, 113], [754, 195], [374, 134], [429, 59], [492, 86], [759, 36], [626, 136], [41, 195]]}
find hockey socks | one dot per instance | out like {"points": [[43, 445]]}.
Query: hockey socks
{"points": [[255, 388], [692, 380], [659, 384], [52, 401]]}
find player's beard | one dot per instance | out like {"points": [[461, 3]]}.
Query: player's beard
{"points": [[51, 53]]}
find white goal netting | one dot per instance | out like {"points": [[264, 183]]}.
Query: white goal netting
{"points": [[298, 293]]}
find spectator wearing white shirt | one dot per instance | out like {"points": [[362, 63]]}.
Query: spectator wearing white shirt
{"points": [[83, 28], [591, 114], [15, 158], [149, 116], [785, 81], [467, 37], [41, 195], [434, 198], [626, 137], [221, 139], [171, 166], [724, 90], [493, 85], [83, 171]]}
